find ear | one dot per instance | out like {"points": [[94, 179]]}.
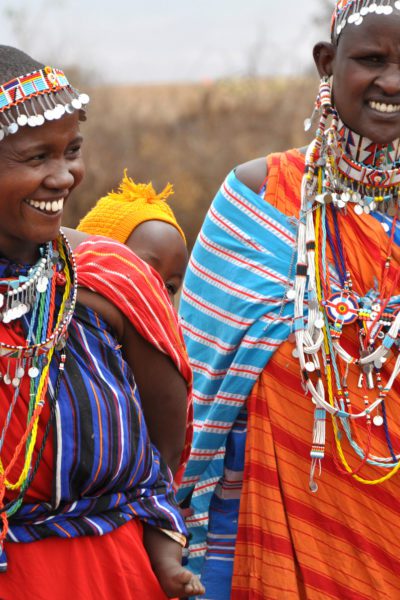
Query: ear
{"points": [[324, 56]]}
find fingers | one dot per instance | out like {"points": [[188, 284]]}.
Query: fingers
{"points": [[194, 587]]}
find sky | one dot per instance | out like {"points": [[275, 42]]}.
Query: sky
{"points": [[149, 41]]}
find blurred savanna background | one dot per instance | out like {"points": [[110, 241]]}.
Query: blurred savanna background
{"points": [[180, 92]]}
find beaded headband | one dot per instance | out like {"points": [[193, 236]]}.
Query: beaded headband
{"points": [[354, 11], [40, 96]]}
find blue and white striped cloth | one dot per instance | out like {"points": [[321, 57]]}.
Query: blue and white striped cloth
{"points": [[241, 262]]}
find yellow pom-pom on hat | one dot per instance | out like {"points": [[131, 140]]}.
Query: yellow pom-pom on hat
{"points": [[119, 213]]}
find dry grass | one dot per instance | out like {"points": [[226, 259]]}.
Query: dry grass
{"points": [[191, 135]]}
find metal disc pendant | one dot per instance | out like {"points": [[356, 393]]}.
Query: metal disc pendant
{"points": [[22, 120], [84, 98], [48, 115], [33, 372], [42, 283], [15, 382], [13, 128], [358, 209]]}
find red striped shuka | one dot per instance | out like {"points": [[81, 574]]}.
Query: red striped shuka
{"points": [[342, 542]]}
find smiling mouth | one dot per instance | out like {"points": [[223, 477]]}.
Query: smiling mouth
{"points": [[383, 107], [47, 207]]}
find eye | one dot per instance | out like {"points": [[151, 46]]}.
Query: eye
{"points": [[171, 289], [74, 150], [374, 59], [38, 157]]}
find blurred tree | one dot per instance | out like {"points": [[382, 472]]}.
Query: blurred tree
{"points": [[24, 20], [39, 17], [323, 17]]}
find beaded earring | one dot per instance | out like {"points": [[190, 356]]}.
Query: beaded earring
{"points": [[323, 102]]}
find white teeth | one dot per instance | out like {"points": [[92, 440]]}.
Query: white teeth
{"points": [[49, 206], [384, 108]]}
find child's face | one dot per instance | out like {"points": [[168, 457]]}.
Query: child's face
{"points": [[161, 246]]}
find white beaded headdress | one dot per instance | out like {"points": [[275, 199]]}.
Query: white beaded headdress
{"points": [[32, 98], [349, 12]]}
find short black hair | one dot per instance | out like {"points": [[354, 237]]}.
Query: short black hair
{"points": [[15, 63]]}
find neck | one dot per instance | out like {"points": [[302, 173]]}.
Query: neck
{"points": [[366, 152], [24, 255]]}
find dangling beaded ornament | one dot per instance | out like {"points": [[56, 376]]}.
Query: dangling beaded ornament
{"points": [[345, 172], [353, 12], [45, 300], [35, 98]]}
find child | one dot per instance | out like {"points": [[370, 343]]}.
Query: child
{"points": [[142, 219]]}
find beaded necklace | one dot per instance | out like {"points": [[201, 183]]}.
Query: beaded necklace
{"points": [[45, 299], [345, 172]]}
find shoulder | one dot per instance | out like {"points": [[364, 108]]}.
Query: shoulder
{"points": [[75, 237], [253, 173], [91, 298]]}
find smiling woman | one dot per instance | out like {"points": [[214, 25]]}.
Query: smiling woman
{"points": [[87, 507], [366, 66], [291, 312], [47, 164]]}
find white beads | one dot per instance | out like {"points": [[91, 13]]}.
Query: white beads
{"points": [[378, 421]]}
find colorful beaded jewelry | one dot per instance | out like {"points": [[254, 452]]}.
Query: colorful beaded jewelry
{"points": [[345, 172], [35, 98], [46, 319], [353, 12]]}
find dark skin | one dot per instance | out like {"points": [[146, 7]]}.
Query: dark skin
{"points": [[39, 168], [162, 246], [365, 67]]}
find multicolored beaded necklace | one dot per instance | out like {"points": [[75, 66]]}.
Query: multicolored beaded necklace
{"points": [[44, 299], [346, 172]]}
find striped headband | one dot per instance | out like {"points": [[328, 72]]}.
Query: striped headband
{"points": [[354, 11], [35, 98]]}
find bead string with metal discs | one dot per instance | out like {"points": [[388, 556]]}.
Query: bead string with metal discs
{"points": [[347, 181], [44, 301], [345, 172], [40, 96]]}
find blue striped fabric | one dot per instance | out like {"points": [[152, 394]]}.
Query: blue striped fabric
{"points": [[107, 471], [234, 318], [241, 261]]}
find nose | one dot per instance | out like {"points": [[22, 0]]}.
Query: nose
{"points": [[60, 176], [389, 79]]}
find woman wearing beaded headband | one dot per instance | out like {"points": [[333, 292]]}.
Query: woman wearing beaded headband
{"points": [[291, 315], [83, 492]]}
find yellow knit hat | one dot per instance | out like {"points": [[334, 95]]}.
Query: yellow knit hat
{"points": [[119, 213]]}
